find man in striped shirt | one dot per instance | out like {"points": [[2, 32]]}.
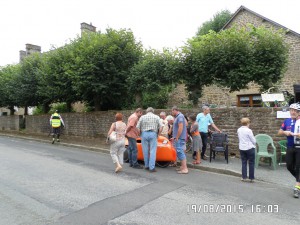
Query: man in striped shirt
{"points": [[149, 126]]}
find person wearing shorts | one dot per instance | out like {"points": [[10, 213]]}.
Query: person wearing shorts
{"points": [[179, 138]]}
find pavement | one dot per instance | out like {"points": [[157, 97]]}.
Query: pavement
{"points": [[264, 172]]}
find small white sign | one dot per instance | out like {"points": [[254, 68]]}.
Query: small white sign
{"points": [[272, 97], [283, 115]]}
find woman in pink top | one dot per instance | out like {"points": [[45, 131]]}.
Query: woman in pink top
{"points": [[117, 148]]}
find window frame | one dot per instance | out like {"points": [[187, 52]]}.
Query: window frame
{"points": [[250, 104]]}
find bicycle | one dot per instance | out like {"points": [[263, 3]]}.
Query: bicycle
{"points": [[189, 144]]}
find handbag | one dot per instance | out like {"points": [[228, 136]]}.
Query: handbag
{"points": [[113, 136]]}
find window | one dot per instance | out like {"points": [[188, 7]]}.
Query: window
{"points": [[252, 100]]}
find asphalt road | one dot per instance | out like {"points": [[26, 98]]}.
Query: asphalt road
{"points": [[42, 183]]}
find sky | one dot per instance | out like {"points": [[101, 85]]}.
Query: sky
{"points": [[156, 23]]}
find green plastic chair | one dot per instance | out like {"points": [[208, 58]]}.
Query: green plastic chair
{"points": [[282, 145], [263, 141]]}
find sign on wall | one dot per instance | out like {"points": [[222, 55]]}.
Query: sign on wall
{"points": [[272, 97], [283, 114]]}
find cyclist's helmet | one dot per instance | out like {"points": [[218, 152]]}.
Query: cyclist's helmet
{"points": [[295, 106]]}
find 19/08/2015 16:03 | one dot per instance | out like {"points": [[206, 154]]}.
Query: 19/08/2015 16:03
{"points": [[232, 208]]}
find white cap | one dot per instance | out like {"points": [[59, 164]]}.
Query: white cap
{"points": [[295, 106]]}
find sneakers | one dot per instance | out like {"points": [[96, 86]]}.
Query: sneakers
{"points": [[53, 139], [247, 180], [296, 192], [58, 140]]}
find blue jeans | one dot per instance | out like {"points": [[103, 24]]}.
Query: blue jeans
{"points": [[149, 145], [248, 155], [132, 151], [179, 146]]}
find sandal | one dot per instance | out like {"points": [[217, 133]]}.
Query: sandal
{"points": [[182, 172], [196, 162], [118, 169]]}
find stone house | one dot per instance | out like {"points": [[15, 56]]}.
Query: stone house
{"points": [[251, 96]]}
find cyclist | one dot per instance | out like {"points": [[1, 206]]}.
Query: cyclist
{"points": [[56, 122], [291, 129]]}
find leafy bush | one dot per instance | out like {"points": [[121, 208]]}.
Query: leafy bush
{"points": [[61, 107], [38, 110], [156, 100]]}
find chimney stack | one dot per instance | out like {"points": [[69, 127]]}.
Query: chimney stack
{"points": [[22, 55], [86, 28], [32, 48], [29, 50]]}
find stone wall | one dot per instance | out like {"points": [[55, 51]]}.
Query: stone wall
{"points": [[96, 124], [90, 124], [11, 123]]}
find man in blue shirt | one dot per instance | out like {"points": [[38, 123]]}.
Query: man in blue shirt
{"points": [[291, 129], [179, 137], [204, 120]]}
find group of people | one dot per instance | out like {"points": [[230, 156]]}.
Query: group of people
{"points": [[150, 126], [175, 128]]}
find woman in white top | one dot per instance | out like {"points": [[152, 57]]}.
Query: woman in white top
{"points": [[247, 144], [117, 148]]}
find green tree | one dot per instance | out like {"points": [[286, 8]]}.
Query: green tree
{"points": [[152, 77], [270, 56], [26, 80], [100, 64], [234, 57], [8, 86], [55, 84], [216, 23]]}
